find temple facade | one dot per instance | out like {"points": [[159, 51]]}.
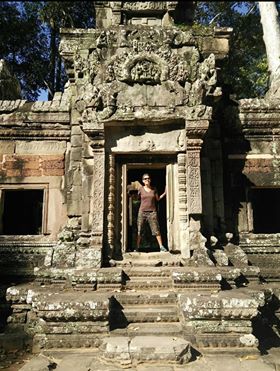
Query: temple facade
{"points": [[143, 95]]}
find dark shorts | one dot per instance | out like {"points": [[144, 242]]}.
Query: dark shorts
{"points": [[151, 218]]}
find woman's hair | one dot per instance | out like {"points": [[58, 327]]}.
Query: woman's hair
{"points": [[145, 174]]}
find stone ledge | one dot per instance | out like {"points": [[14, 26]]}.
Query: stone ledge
{"points": [[146, 348]]}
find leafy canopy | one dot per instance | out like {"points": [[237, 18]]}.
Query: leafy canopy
{"points": [[29, 38], [245, 71]]}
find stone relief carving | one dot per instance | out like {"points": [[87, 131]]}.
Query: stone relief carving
{"points": [[182, 39], [144, 56], [205, 85], [138, 41], [194, 185], [173, 140], [96, 105], [145, 71], [149, 5], [199, 112], [98, 194]]}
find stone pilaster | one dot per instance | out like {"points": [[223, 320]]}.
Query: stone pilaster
{"points": [[183, 216], [194, 176], [91, 241], [196, 126], [111, 203], [97, 205]]}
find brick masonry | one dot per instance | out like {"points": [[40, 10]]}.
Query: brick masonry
{"points": [[28, 165]]}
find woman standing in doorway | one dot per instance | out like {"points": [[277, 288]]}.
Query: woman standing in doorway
{"points": [[148, 212]]}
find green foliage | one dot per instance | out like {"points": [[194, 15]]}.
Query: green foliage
{"points": [[245, 70], [23, 44], [57, 14], [29, 39], [197, 29]]}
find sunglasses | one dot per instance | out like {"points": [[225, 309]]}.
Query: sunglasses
{"points": [[146, 178]]}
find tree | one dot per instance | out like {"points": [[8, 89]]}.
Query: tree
{"points": [[23, 44], [57, 14], [271, 36], [247, 59], [29, 39]]}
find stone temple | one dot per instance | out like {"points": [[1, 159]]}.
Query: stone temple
{"points": [[144, 94]]}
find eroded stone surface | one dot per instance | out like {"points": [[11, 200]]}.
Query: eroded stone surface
{"points": [[147, 348]]}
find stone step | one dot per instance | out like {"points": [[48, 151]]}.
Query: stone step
{"points": [[64, 341], [156, 329], [148, 271], [153, 259], [149, 328], [127, 351], [146, 297], [155, 313], [145, 284], [53, 305]]}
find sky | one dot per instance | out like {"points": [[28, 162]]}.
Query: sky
{"points": [[43, 95]]}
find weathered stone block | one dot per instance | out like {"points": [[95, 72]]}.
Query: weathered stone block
{"points": [[219, 306], [147, 348], [76, 154], [64, 255], [76, 140], [220, 257], [40, 148], [236, 255], [188, 275], [88, 258]]}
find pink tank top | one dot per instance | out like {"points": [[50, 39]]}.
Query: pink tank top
{"points": [[148, 199]]}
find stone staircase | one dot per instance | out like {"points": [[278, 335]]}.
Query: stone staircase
{"points": [[148, 303], [145, 308]]}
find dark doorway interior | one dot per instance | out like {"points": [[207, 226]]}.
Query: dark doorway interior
{"points": [[23, 212], [148, 242], [265, 203]]}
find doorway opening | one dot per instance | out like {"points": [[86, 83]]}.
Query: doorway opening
{"points": [[134, 180], [265, 204]]}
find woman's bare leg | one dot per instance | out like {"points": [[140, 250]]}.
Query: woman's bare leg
{"points": [[159, 240]]}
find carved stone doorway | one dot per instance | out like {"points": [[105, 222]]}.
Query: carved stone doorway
{"points": [[148, 242], [163, 170]]}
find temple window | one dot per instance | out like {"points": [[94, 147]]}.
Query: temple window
{"points": [[22, 210], [265, 207]]}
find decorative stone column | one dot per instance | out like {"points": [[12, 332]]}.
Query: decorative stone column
{"points": [[111, 203], [183, 207], [197, 123], [89, 254]]}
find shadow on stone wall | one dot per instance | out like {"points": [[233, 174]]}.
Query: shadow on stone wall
{"points": [[223, 159]]}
